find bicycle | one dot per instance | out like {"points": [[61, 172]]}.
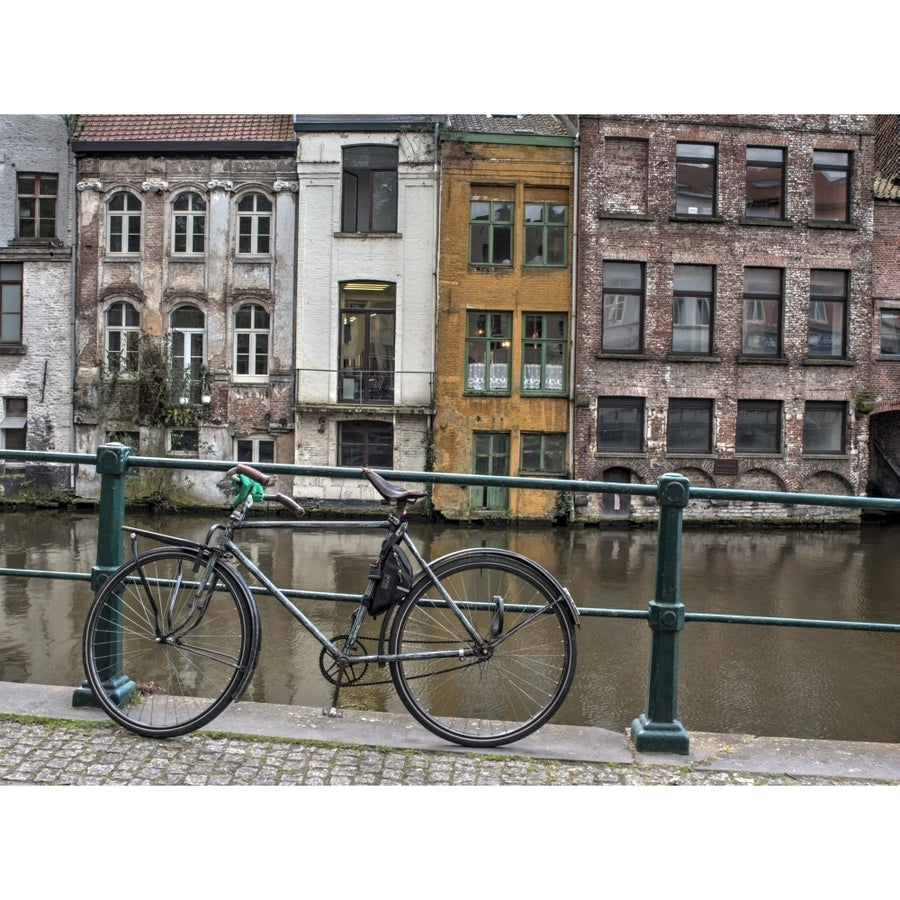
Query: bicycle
{"points": [[481, 645]]}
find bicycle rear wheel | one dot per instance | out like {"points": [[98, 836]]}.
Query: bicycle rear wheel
{"points": [[161, 658], [524, 657]]}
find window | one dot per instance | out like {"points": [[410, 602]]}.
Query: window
{"points": [[626, 168], [544, 353], [124, 223], [546, 231], [827, 313], [187, 326], [695, 179], [255, 450], [123, 332], [490, 452], [11, 303], [620, 424], [14, 425], [368, 310], [761, 329], [254, 225], [758, 427], [251, 341], [690, 426], [824, 427], [189, 231], [487, 352], [366, 444], [692, 309], [369, 198], [890, 332], [490, 232], [543, 453], [623, 307], [831, 186], [37, 205], [184, 441], [130, 439], [765, 183]]}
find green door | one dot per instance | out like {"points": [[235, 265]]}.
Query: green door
{"points": [[491, 457]]}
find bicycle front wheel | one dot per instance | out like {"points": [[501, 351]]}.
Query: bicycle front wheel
{"points": [[164, 654], [511, 656]]}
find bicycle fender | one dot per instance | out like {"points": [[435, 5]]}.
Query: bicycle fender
{"points": [[538, 569]]}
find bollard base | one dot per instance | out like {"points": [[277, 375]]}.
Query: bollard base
{"points": [[659, 737], [120, 689]]}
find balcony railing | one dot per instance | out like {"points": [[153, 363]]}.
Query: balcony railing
{"points": [[366, 387]]}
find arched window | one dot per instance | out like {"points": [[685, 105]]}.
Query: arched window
{"points": [[254, 225], [189, 223], [123, 223], [187, 326], [251, 341], [123, 332]]}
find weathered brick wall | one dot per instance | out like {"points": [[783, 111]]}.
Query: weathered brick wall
{"points": [[614, 226]]}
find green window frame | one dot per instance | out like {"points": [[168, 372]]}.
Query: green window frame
{"points": [[546, 234], [543, 453], [544, 353], [490, 456], [488, 357], [491, 232]]}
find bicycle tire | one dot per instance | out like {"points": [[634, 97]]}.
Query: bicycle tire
{"points": [[168, 685], [522, 675]]}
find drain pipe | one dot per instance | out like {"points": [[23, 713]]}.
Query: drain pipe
{"points": [[574, 303]]}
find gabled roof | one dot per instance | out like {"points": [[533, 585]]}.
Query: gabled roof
{"points": [[183, 132]]}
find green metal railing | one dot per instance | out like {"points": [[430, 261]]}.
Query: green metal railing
{"points": [[655, 730]]}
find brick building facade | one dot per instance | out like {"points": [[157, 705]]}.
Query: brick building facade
{"points": [[724, 307], [185, 290]]}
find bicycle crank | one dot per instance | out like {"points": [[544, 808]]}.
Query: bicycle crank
{"points": [[353, 671]]}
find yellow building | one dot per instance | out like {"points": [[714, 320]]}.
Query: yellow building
{"points": [[504, 322]]}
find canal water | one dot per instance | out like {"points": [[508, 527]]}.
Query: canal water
{"points": [[747, 678]]}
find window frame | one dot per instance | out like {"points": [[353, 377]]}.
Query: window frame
{"points": [[254, 234], [839, 304], [255, 442], [756, 407], [497, 230], [12, 304], [691, 159], [543, 452], [825, 166], [616, 302], [638, 428], [687, 448], [761, 166], [14, 421], [824, 407], [360, 186], [490, 349], [247, 340], [132, 212], [130, 338], [541, 342], [186, 362], [491, 459], [550, 235], [762, 300], [894, 313], [685, 293], [189, 224], [367, 342], [368, 454], [38, 198]]}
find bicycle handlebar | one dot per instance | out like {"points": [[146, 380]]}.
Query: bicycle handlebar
{"points": [[250, 483]]}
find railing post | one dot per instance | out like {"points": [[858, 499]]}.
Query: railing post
{"points": [[112, 464], [658, 729]]}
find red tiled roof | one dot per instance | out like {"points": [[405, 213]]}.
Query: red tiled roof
{"points": [[202, 128]]}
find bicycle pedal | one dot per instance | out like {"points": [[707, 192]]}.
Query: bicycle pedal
{"points": [[333, 712]]}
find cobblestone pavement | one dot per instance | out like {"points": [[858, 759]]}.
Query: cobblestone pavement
{"points": [[77, 753]]}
